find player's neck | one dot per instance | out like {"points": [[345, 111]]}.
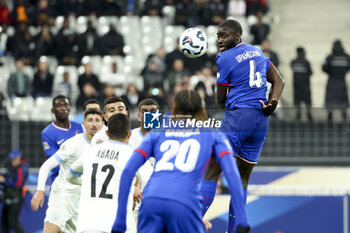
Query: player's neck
{"points": [[62, 123], [125, 140], [144, 131], [88, 136]]}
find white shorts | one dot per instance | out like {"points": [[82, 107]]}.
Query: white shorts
{"points": [[63, 210]]}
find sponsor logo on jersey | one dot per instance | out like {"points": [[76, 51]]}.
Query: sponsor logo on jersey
{"points": [[46, 146], [60, 141]]}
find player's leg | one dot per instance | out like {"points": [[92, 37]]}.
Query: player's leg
{"points": [[179, 218], [151, 216], [208, 185], [58, 212]]}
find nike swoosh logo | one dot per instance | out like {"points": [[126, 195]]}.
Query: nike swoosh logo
{"points": [[59, 142]]}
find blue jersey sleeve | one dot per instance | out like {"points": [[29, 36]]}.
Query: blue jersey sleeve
{"points": [[224, 156], [49, 145], [224, 70]]}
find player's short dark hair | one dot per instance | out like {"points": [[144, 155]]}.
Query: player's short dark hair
{"points": [[233, 24], [91, 101], [60, 97], [92, 111], [111, 100], [189, 102], [118, 126], [147, 101]]}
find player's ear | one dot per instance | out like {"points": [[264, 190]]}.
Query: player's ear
{"points": [[52, 111], [139, 116], [83, 123], [104, 117], [129, 134]]}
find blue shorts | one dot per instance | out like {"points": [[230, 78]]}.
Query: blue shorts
{"points": [[158, 215], [246, 129]]}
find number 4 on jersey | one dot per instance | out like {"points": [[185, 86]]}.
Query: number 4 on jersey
{"points": [[255, 79]]}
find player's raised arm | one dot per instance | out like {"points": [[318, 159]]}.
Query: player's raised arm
{"points": [[137, 159], [273, 77], [38, 198]]}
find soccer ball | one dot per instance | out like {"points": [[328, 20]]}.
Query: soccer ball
{"points": [[193, 42]]}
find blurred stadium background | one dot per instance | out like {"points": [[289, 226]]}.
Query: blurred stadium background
{"points": [[302, 181]]}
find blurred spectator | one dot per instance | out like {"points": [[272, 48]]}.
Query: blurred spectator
{"points": [[3, 41], [254, 6], [115, 79], [26, 49], [3, 113], [158, 95], [159, 58], [302, 73], [5, 16], [91, 7], [68, 7], [153, 8], [43, 13], [173, 55], [236, 8], [64, 88], [214, 12], [20, 12], [88, 77], [65, 27], [14, 191], [19, 83], [336, 65], [67, 48], [132, 97], [45, 42], [43, 80], [88, 41], [113, 8], [108, 92], [153, 75], [266, 48], [175, 75], [88, 92], [13, 41], [185, 13], [260, 30], [113, 42]]}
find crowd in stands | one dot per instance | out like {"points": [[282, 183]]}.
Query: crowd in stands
{"points": [[163, 73]]}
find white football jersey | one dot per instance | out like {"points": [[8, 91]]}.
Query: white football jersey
{"points": [[102, 169], [68, 153], [146, 170], [100, 136]]}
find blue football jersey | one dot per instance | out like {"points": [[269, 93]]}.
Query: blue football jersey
{"points": [[182, 158], [52, 138], [243, 69]]}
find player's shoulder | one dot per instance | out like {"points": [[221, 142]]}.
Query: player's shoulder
{"points": [[49, 128], [76, 125]]}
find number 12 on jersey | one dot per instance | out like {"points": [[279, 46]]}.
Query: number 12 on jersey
{"points": [[255, 79]]}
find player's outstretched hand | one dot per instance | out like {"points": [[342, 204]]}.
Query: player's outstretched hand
{"points": [[241, 229], [37, 200], [207, 224], [270, 107], [137, 197]]}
